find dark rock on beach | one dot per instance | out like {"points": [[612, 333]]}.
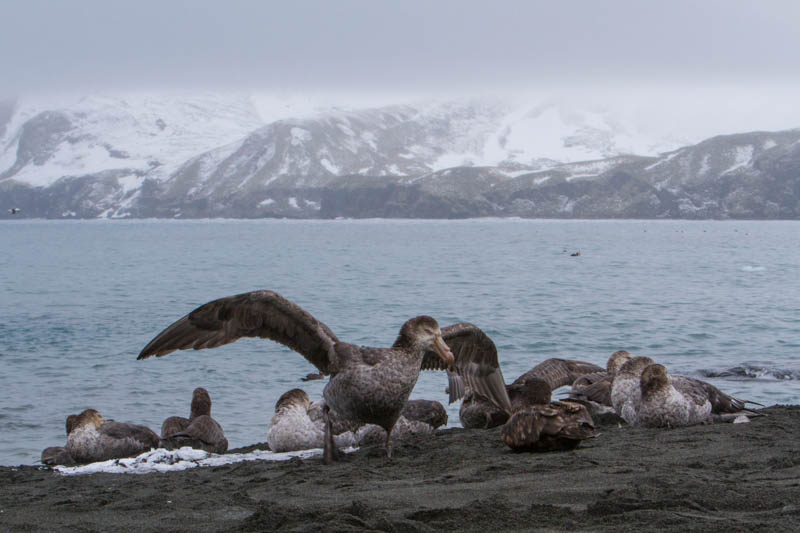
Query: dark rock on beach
{"points": [[735, 477]]}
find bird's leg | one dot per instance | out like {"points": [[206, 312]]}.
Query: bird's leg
{"points": [[330, 453], [389, 443]]}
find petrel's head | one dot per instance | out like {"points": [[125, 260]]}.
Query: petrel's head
{"points": [[423, 333]]}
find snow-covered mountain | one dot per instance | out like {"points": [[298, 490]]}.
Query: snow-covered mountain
{"points": [[254, 155]]}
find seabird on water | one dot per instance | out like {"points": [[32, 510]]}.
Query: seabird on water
{"points": [[367, 385]]}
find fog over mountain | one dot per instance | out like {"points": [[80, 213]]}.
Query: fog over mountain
{"points": [[256, 155], [437, 109]]}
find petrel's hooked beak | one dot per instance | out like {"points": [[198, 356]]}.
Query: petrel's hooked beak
{"points": [[441, 348]]}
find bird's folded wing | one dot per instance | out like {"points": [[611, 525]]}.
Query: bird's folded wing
{"points": [[559, 372]]}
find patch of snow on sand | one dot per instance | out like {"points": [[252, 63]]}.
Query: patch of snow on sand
{"points": [[162, 460]]}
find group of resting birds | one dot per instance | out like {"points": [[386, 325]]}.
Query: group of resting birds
{"points": [[92, 438], [367, 396]]}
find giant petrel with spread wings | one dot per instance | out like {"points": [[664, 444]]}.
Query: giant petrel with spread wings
{"points": [[367, 385]]}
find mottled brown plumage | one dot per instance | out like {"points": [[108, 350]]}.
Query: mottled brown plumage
{"points": [[544, 428], [533, 387], [92, 438], [367, 385], [559, 372], [430, 412]]}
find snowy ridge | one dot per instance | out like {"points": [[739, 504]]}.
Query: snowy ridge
{"points": [[155, 135], [150, 134], [240, 155]]}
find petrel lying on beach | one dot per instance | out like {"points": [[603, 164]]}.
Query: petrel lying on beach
{"points": [[92, 438], [635, 379], [299, 424], [367, 385], [477, 411]]}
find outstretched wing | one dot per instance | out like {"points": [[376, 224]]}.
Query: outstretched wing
{"points": [[558, 372], [264, 314], [476, 365]]}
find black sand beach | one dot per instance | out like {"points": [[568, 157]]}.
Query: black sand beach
{"points": [[732, 477]]}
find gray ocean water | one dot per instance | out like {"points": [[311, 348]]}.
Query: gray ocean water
{"points": [[79, 299]]}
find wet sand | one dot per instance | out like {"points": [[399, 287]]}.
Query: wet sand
{"points": [[732, 477]]}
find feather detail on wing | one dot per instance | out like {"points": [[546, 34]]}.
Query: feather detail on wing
{"points": [[598, 391], [558, 372], [720, 402], [476, 366], [264, 314]]}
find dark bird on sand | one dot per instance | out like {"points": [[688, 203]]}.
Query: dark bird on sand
{"points": [[478, 412], [92, 438], [199, 431], [430, 412], [551, 427], [367, 385], [57, 455], [540, 425]]}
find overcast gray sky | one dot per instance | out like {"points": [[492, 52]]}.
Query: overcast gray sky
{"points": [[395, 46]]}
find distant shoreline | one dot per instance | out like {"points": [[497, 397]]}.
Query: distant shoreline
{"points": [[393, 219]]}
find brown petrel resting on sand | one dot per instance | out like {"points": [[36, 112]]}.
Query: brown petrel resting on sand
{"points": [[626, 392], [663, 405], [199, 431], [672, 401], [300, 425], [539, 425], [92, 438], [57, 455], [552, 427], [367, 385], [478, 412]]}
